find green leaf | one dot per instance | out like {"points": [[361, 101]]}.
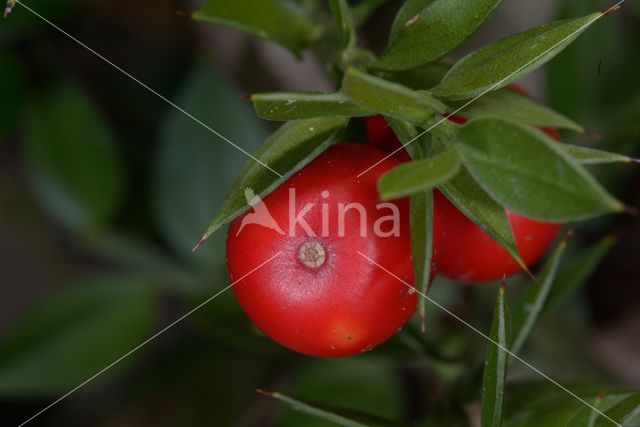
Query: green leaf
{"points": [[495, 367], [409, 134], [71, 336], [508, 104], [76, 169], [340, 416], [527, 172], [419, 175], [391, 99], [341, 381], [592, 156], [552, 407], [288, 150], [421, 217], [409, 9], [342, 15], [12, 88], [501, 63], [193, 168], [274, 20], [419, 78], [421, 214], [620, 412], [577, 272], [300, 105], [435, 30], [586, 417], [531, 307], [529, 396], [464, 192]]}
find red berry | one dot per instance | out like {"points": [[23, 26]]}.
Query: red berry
{"points": [[467, 254], [319, 296]]}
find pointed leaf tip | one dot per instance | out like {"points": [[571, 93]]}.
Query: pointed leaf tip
{"points": [[496, 65], [552, 185], [496, 362], [200, 243]]}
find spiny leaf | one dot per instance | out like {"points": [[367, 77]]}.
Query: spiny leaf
{"points": [[421, 217], [408, 134], [434, 30], [419, 175], [541, 181], [464, 192], [509, 104], [421, 78], [501, 63], [592, 156], [495, 368], [552, 407], [274, 20], [289, 149], [340, 416], [586, 417], [286, 106], [576, 273], [342, 16], [530, 309], [391, 99], [620, 412]]}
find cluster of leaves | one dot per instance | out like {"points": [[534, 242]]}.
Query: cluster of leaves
{"points": [[499, 159]]}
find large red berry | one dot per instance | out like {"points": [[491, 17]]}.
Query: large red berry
{"points": [[320, 296]]}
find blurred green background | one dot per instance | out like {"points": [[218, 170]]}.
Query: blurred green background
{"points": [[105, 188]]}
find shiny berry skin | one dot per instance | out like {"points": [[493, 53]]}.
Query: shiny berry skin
{"points": [[467, 254], [319, 296]]}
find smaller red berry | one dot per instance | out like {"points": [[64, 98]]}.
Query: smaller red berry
{"points": [[465, 253]]}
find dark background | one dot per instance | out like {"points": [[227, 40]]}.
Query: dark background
{"points": [[104, 189]]}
